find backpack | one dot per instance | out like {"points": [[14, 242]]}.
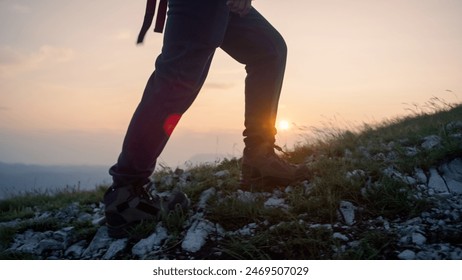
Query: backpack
{"points": [[149, 16]]}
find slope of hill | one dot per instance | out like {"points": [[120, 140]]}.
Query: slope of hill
{"points": [[391, 191]]}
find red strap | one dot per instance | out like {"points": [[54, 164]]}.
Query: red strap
{"points": [[149, 16]]}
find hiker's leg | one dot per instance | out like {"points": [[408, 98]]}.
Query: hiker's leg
{"points": [[194, 30], [252, 41]]}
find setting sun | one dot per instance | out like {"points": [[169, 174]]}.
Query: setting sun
{"points": [[283, 125]]}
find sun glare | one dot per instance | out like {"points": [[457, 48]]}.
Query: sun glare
{"points": [[283, 125]]}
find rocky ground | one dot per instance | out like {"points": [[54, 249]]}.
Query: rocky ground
{"points": [[435, 234]]}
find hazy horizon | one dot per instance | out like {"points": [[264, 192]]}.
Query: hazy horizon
{"points": [[71, 74]]}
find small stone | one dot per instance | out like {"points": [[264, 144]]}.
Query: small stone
{"points": [[420, 176], [76, 250], [245, 196], [338, 235], [418, 238], [273, 202], [407, 255], [431, 142], [454, 125], [457, 254], [49, 245], [347, 211], [248, 229], [355, 174], [411, 151]]}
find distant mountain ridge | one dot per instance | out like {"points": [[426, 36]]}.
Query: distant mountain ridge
{"points": [[16, 178]]}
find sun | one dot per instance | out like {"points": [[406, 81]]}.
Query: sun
{"points": [[283, 125]]}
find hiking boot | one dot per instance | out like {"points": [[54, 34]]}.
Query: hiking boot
{"points": [[263, 169], [127, 206]]}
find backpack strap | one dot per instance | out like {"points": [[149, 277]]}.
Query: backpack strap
{"points": [[161, 16], [149, 16]]}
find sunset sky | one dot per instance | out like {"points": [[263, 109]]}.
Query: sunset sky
{"points": [[71, 74]]}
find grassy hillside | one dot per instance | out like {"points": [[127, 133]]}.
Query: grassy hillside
{"points": [[353, 166]]}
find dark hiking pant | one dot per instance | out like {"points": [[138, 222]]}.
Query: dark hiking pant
{"points": [[194, 30]]}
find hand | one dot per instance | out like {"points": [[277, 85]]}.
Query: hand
{"points": [[241, 7]]}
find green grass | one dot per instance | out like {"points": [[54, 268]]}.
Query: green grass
{"points": [[23, 206], [372, 245], [287, 240], [285, 233], [26, 206]]}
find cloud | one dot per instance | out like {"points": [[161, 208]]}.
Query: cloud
{"points": [[13, 61], [3, 108]]}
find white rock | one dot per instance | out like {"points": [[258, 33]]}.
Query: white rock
{"points": [[273, 202], [49, 245], [247, 229], [12, 223], [392, 173], [355, 174], [115, 247], [425, 255], [150, 243], [455, 168], [347, 210], [418, 238], [205, 196], [452, 173], [455, 187], [28, 247], [454, 125], [386, 225], [456, 254], [197, 235], [420, 176], [245, 196], [100, 241], [411, 151], [76, 250], [436, 183], [407, 255], [338, 235], [322, 226], [431, 142]]}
